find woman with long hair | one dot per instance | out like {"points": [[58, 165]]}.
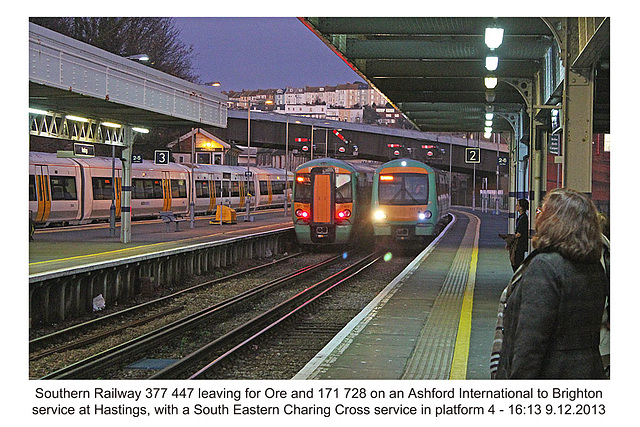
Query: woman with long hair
{"points": [[554, 302]]}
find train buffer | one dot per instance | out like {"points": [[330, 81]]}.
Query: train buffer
{"points": [[169, 217], [224, 215]]}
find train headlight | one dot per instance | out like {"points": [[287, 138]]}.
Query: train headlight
{"points": [[424, 215], [302, 214], [379, 215]]}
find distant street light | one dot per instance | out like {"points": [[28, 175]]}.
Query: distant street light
{"points": [[140, 57]]}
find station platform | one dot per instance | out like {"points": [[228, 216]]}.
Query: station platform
{"points": [[436, 320], [55, 249]]}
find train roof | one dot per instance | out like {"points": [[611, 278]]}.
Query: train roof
{"points": [[99, 162], [353, 166], [105, 162], [399, 163]]}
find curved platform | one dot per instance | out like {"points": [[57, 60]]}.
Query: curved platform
{"points": [[436, 320]]}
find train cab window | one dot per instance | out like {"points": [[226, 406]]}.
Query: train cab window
{"points": [[403, 189], [202, 189], [146, 188], [63, 188], [32, 188], [302, 191], [102, 188], [343, 188]]}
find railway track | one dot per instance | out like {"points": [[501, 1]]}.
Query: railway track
{"points": [[243, 336], [119, 355], [80, 334]]}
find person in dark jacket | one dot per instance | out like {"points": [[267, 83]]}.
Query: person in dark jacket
{"points": [[551, 320], [522, 233]]}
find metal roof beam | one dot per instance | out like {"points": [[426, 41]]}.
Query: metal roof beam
{"points": [[422, 25], [447, 68]]}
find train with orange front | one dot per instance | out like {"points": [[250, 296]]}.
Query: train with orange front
{"points": [[331, 201], [409, 201]]}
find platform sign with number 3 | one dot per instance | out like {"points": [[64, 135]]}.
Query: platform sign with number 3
{"points": [[161, 157]]}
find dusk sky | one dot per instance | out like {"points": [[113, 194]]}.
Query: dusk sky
{"points": [[261, 53]]}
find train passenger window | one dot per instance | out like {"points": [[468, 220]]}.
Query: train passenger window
{"points": [[277, 187], [63, 188], [252, 188], [403, 189], [202, 189], [32, 188], [178, 189], [226, 186], [235, 189], [102, 188], [343, 188], [218, 185], [146, 188], [264, 188]]}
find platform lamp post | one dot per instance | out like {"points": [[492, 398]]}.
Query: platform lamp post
{"points": [[312, 141], [112, 208], [192, 184], [286, 168], [192, 203], [248, 217]]}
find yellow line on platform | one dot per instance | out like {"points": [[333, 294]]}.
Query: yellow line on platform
{"points": [[230, 231], [463, 339], [96, 254]]}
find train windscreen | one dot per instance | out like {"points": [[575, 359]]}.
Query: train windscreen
{"points": [[403, 189]]}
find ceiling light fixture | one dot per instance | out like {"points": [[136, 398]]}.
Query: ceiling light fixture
{"points": [[111, 125], [77, 119], [493, 37], [490, 82], [491, 63], [490, 95], [37, 111]]}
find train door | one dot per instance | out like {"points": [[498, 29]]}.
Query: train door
{"points": [[269, 191], [226, 189], [242, 193], [166, 191], [212, 194], [42, 194], [322, 204]]}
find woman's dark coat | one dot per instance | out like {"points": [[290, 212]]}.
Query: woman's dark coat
{"points": [[552, 320]]}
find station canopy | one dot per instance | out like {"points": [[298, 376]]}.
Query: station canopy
{"points": [[433, 69], [67, 76]]}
